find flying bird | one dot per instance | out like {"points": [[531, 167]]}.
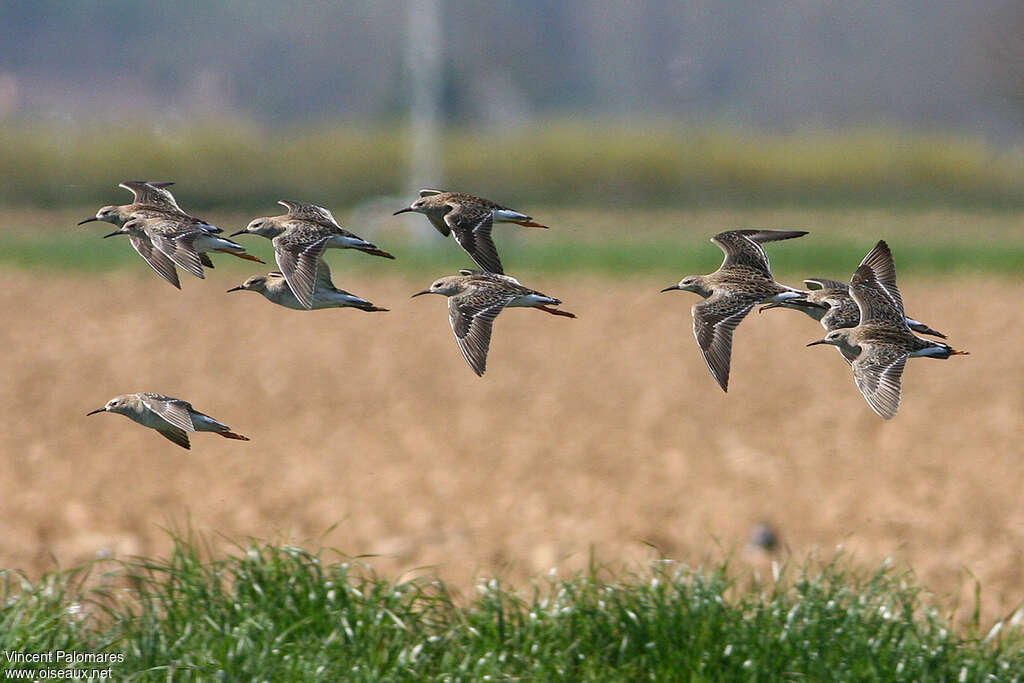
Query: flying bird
{"points": [[829, 302], [172, 418], [143, 244], [179, 241], [743, 281], [151, 200], [300, 239], [881, 343], [275, 288], [475, 298], [470, 220]]}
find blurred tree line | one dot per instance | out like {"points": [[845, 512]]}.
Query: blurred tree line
{"points": [[776, 64]]}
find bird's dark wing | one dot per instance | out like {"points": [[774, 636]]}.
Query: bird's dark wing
{"points": [[152, 193], [878, 376], [176, 435], [299, 261], [177, 244], [472, 230], [176, 411], [309, 212], [472, 317], [714, 321], [156, 259], [743, 247], [873, 287]]}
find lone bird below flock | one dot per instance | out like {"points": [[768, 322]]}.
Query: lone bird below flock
{"points": [[300, 238], [172, 418], [325, 295], [470, 220], [881, 343], [475, 299], [743, 281]]}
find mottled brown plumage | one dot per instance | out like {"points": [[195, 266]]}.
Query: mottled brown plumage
{"points": [[881, 343], [152, 200], [181, 241], [830, 303], [475, 298], [275, 288], [742, 281], [469, 220], [172, 418], [142, 243], [152, 193], [300, 239]]}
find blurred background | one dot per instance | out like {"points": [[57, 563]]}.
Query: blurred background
{"points": [[669, 102], [635, 130]]}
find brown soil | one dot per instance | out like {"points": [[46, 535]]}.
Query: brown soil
{"points": [[602, 434]]}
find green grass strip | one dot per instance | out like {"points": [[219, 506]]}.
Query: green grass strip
{"points": [[284, 614], [662, 257]]}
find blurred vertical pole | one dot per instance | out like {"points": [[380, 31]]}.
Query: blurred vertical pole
{"points": [[423, 42]]}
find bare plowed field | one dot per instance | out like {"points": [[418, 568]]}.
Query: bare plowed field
{"points": [[601, 434]]}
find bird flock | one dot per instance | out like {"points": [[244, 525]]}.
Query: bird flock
{"points": [[865, 320]]}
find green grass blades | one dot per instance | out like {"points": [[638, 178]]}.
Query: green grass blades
{"points": [[281, 613]]}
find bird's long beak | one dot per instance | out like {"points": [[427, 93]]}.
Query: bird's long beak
{"points": [[88, 220], [116, 232], [408, 208], [240, 232], [93, 412], [669, 289], [767, 306], [235, 289], [425, 291], [820, 341]]}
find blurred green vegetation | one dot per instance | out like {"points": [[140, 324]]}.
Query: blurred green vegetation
{"points": [[670, 259], [230, 163]]}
